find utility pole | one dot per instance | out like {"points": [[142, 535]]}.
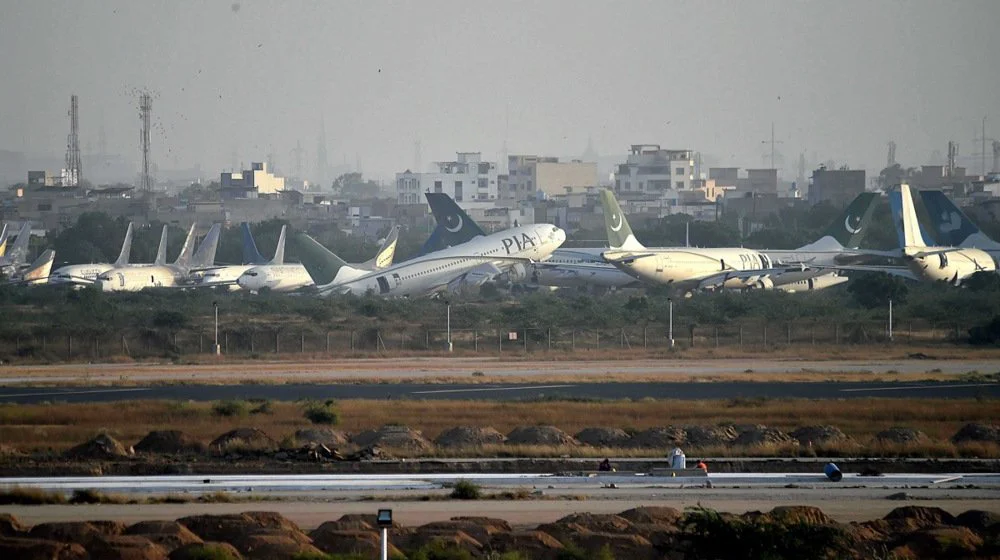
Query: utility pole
{"points": [[670, 328], [982, 149], [217, 348]]}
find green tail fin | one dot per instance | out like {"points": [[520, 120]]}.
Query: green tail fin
{"points": [[321, 264], [620, 234], [851, 226]]}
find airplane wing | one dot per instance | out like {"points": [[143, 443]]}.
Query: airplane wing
{"points": [[623, 257], [483, 258], [900, 271]]}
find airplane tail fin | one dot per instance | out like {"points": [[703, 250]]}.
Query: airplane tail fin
{"points": [[908, 214], [386, 251], [161, 250], [3, 240], [250, 253], [126, 247], [18, 253], [458, 226], [279, 249], [184, 258], [321, 264], [851, 225], [952, 226], [205, 255], [38, 272], [620, 234]]}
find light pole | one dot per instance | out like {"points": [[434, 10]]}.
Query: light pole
{"points": [[449, 327], [217, 348], [670, 335], [890, 319], [384, 520]]}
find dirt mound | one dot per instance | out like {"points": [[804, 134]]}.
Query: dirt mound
{"points": [[171, 535], [604, 437], [531, 544], [790, 515], [469, 436], [900, 435], [39, 549], [126, 547], [921, 515], [169, 441], [495, 524], [359, 543], [449, 538], [228, 528], [101, 447], [944, 542], [979, 520], [481, 532], [11, 526], [818, 435], [569, 529], [81, 532], [751, 436], [539, 435], [200, 551], [394, 437], [709, 436], [244, 438], [977, 432], [653, 515], [634, 547], [326, 436], [659, 437], [275, 547]]}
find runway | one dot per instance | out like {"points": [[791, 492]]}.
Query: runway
{"points": [[506, 392]]}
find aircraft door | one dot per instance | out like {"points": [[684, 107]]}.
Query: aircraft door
{"points": [[383, 285]]}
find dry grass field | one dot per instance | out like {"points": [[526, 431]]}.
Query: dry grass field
{"points": [[59, 426]]}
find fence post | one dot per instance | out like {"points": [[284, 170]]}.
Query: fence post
{"points": [[201, 343], [69, 346], [525, 340], [644, 338], [227, 341], [475, 339], [598, 340], [352, 340], [789, 328], [741, 335], [327, 342], [500, 338], [572, 339], [302, 342], [691, 329], [716, 336], [836, 335], [765, 334], [277, 343], [548, 333]]}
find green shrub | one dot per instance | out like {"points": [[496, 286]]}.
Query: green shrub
{"points": [[231, 408], [465, 490], [440, 550], [322, 414]]}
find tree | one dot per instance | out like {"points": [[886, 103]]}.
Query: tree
{"points": [[875, 290]]}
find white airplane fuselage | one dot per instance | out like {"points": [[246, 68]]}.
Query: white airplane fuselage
{"points": [[222, 276], [133, 279], [275, 277], [82, 274], [948, 264], [572, 268], [684, 264], [434, 271]]}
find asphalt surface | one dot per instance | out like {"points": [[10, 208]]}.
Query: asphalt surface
{"points": [[506, 392]]}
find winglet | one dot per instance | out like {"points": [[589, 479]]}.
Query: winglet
{"points": [[321, 264], [126, 247], [620, 234], [161, 251]]}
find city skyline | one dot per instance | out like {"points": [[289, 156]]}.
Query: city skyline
{"points": [[255, 79]]}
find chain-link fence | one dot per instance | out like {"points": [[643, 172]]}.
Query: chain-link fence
{"points": [[487, 340]]}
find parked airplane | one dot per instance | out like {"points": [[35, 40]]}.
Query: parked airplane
{"points": [[687, 268], [279, 277], [229, 275], [3, 240], [16, 258], [429, 273], [953, 227], [925, 262], [133, 278], [86, 274]]}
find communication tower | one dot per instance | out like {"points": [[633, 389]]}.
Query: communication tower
{"points": [[74, 165], [145, 109]]}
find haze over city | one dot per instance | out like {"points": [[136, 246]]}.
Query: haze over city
{"points": [[235, 82]]}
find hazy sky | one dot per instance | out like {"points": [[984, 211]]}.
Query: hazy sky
{"points": [[838, 78]]}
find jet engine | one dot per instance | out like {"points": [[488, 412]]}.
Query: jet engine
{"points": [[517, 273]]}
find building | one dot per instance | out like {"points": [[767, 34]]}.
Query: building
{"points": [[650, 169], [466, 178], [43, 179], [530, 175], [250, 183], [837, 186], [724, 176], [762, 181]]}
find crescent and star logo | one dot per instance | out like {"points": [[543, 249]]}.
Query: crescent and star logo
{"points": [[451, 219], [856, 227], [616, 218]]}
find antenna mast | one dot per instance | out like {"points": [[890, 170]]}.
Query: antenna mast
{"points": [[145, 109], [74, 165]]}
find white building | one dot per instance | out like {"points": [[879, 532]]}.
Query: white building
{"points": [[530, 175], [651, 169], [468, 178], [254, 181]]}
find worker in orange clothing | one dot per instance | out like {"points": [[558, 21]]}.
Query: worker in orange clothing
{"points": [[701, 465]]}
